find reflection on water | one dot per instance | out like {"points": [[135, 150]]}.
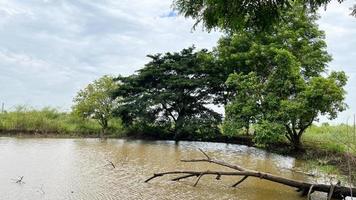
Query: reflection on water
{"points": [[77, 169]]}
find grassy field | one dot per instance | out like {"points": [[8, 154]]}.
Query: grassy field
{"points": [[52, 121], [336, 138]]}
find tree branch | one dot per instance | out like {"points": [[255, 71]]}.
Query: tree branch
{"points": [[337, 192], [240, 181]]}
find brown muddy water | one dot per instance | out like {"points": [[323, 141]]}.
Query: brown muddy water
{"points": [[77, 169]]}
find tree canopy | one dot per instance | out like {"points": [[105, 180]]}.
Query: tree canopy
{"points": [[279, 76], [231, 15], [95, 101], [171, 92], [273, 83]]}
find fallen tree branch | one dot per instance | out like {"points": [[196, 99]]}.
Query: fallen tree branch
{"points": [[206, 155], [19, 180], [240, 181], [310, 192], [110, 164], [196, 182], [183, 177], [338, 191]]}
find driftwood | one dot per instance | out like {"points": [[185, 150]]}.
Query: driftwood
{"points": [[110, 164], [20, 180], [335, 191]]}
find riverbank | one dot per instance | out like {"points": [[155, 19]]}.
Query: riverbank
{"points": [[317, 154], [326, 147]]}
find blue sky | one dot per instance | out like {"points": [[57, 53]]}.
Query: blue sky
{"points": [[49, 49]]}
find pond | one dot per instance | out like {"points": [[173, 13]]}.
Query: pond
{"points": [[78, 169]]}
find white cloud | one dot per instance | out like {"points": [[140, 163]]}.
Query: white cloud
{"points": [[340, 29], [50, 49]]}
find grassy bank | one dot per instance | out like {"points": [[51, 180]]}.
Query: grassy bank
{"points": [[52, 121], [331, 148], [335, 139], [339, 138]]}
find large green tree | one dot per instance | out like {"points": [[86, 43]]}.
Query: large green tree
{"points": [[232, 15], [281, 70], [243, 50], [95, 101], [172, 92]]}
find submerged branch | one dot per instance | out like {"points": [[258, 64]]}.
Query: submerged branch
{"points": [[336, 191]]}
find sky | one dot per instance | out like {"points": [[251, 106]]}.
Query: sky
{"points": [[50, 49]]}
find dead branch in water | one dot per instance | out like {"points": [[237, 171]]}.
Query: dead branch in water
{"points": [[336, 191], [110, 164], [19, 180]]}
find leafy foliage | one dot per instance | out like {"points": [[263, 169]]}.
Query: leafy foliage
{"points": [[278, 76], [242, 113], [267, 133], [171, 92], [95, 101], [232, 15]]}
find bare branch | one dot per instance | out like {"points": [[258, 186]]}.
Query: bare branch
{"points": [[20, 180], [331, 191], [196, 182], [218, 162], [154, 176], [183, 177], [206, 155], [111, 164], [240, 181], [310, 192], [338, 192]]}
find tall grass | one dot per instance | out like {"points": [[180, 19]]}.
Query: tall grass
{"points": [[50, 120], [337, 138]]}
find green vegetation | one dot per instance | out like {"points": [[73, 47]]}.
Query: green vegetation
{"points": [[232, 15], [339, 138], [51, 121], [274, 81], [279, 77], [170, 96], [95, 102]]}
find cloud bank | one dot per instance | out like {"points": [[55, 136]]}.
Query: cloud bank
{"points": [[49, 49]]}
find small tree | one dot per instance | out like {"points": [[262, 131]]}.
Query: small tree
{"points": [[95, 101]]}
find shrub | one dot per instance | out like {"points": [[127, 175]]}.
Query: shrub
{"points": [[267, 133]]}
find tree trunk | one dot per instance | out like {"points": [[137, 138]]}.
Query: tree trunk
{"points": [[294, 138], [104, 127], [297, 145], [247, 130], [178, 127]]}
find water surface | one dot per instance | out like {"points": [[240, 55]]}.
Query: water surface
{"points": [[78, 169]]}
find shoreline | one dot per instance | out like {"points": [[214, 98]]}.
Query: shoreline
{"points": [[317, 157]]}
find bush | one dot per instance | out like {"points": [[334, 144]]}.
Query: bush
{"points": [[231, 129], [267, 133]]}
